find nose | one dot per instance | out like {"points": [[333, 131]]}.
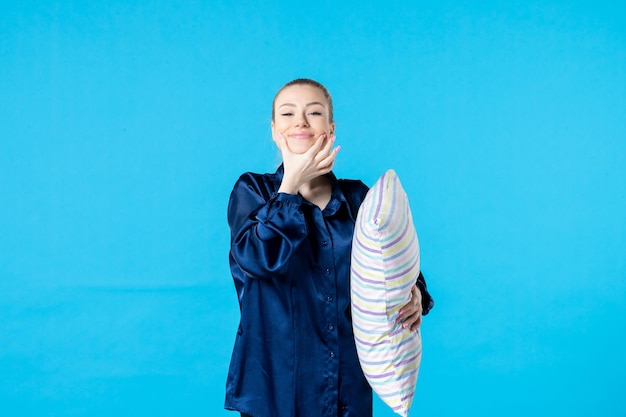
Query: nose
{"points": [[302, 121]]}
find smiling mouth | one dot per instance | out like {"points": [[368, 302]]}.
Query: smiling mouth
{"points": [[300, 135]]}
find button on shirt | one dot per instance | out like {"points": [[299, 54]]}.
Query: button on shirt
{"points": [[294, 352]]}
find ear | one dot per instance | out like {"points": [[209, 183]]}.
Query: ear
{"points": [[331, 131]]}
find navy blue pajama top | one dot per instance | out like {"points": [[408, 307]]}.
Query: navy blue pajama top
{"points": [[294, 352]]}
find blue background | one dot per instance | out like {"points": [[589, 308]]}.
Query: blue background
{"points": [[124, 125]]}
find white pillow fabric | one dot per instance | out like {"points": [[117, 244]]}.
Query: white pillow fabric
{"points": [[385, 266]]}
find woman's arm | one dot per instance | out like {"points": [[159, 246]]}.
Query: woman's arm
{"points": [[266, 227], [419, 305]]}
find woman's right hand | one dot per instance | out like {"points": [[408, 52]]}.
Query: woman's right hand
{"points": [[302, 168]]}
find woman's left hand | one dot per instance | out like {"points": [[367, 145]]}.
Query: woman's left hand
{"points": [[411, 314]]}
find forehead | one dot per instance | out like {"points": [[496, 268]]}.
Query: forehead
{"points": [[301, 94]]}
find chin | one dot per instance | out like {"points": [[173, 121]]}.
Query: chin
{"points": [[299, 148]]}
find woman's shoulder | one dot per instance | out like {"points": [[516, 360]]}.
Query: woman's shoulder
{"points": [[356, 187], [257, 176], [263, 184], [353, 184]]}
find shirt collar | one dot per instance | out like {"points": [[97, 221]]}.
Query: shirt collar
{"points": [[337, 197]]}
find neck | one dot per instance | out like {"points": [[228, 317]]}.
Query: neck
{"points": [[315, 184], [317, 191]]}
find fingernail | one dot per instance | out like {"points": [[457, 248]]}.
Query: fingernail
{"points": [[404, 325], [338, 147]]}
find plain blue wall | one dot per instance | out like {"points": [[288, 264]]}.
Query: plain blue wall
{"points": [[123, 126]]}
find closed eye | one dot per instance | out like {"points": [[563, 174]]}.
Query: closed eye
{"points": [[286, 114]]}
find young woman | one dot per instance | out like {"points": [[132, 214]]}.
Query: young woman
{"points": [[291, 236]]}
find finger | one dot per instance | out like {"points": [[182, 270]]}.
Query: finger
{"points": [[327, 151], [328, 144], [418, 321], [413, 321], [417, 324], [316, 152], [329, 160], [319, 142], [326, 169], [406, 313]]}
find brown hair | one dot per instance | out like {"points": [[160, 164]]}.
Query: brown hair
{"points": [[312, 83]]}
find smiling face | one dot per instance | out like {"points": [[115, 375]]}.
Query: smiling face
{"points": [[301, 115]]}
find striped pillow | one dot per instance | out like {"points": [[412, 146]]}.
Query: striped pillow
{"points": [[385, 265]]}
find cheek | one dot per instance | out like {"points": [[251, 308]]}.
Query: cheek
{"points": [[322, 126], [329, 125], [279, 127]]}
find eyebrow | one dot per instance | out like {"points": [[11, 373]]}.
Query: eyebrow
{"points": [[307, 105]]}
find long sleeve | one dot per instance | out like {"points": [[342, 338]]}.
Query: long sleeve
{"points": [[427, 300], [266, 226]]}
